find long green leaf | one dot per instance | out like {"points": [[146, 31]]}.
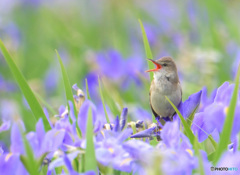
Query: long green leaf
{"points": [[191, 117], [26, 90], [29, 160], [88, 94], [185, 125], [67, 86], [147, 48], [45, 103], [90, 158], [110, 100], [213, 142], [200, 159], [68, 91], [102, 98], [227, 128], [148, 53]]}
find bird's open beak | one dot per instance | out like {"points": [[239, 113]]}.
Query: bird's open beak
{"points": [[157, 68]]}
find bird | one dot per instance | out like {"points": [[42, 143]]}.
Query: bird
{"points": [[165, 83]]}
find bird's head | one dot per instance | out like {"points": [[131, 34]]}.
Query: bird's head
{"points": [[164, 64]]}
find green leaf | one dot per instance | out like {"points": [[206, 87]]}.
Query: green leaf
{"points": [[45, 103], [211, 156], [26, 90], [29, 160], [148, 53], [191, 117], [213, 142], [110, 100], [147, 48], [88, 94], [68, 91], [200, 160], [185, 125], [227, 128], [90, 158], [67, 86], [102, 98]]}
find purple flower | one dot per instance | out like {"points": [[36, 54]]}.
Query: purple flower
{"points": [[212, 118], [187, 107], [42, 142], [5, 126], [205, 100], [173, 138], [10, 164], [111, 65], [92, 79], [120, 70], [123, 118], [110, 152], [17, 146]]}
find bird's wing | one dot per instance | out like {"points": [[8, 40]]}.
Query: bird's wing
{"points": [[155, 114]]}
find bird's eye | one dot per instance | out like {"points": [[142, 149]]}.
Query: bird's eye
{"points": [[164, 64]]}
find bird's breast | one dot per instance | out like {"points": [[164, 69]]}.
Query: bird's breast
{"points": [[158, 100]]}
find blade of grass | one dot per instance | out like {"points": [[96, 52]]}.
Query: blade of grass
{"points": [[45, 103], [110, 100], [29, 161], [68, 91], [147, 48], [185, 125], [102, 98], [148, 53], [90, 158], [200, 159], [88, 95], [214, 143], [67, 86], [26, 90], [227, 128], [191, 117]]}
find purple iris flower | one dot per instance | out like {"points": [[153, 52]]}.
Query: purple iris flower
{"points": [[110, 152], [112, 65], [10, 164], [5, 126], [173, 138], [123, 118], [212, 118], [120, 70], [42, 142], [173, 155], [83, 116], [205, 100], [188, 106], [92, 79], [17, 146]]}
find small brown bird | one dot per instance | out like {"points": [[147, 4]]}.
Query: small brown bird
{"points": [[165, 83]]}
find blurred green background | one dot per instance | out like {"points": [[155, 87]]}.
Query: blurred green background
{"points": [[103, 38]]}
